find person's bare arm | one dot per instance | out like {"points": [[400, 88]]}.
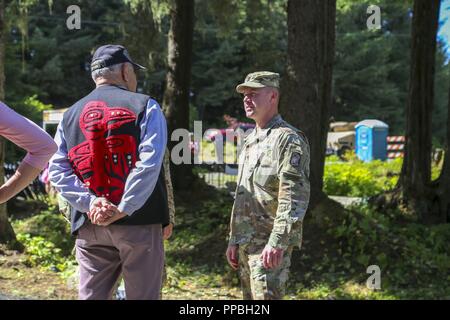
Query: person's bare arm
{"points": [[23, 176], [29, 136]]}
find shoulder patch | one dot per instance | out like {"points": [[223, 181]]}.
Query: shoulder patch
{"points": [[295, 159]]}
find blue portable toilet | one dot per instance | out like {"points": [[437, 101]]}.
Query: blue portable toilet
{"points": [[371, 140]]}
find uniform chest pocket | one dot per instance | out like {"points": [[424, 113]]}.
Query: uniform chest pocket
{"points": [[265, 172]]}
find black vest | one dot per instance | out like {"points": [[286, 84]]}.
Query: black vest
{"points": [[102, 133]]}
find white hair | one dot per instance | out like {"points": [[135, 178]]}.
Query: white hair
{"points": [[107, 72]]}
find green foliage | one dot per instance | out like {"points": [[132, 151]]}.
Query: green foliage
{"points": [[231, 39], [348, 290], [196, 249], [36, 107], [50, 225], [53, 63], [440, 110], [372, 64], [411, 256], [209, 216], [159, 8], [32, 107], [371, 69], [42, 252], [47, 65], [355, 178], [47, 240], [360, 179]]}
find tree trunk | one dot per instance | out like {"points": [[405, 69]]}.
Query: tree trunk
{"points": [[6, 231], [415, 178], [441, 202], [307, 85], [415, 194], [176, 95]]}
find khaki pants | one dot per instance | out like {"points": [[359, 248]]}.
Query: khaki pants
{"points": [[104, 253]]}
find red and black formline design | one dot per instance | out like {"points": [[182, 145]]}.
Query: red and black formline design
{"points": [[105, 159]]}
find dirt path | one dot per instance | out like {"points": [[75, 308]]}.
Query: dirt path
{"points": [[3, 297], [17, 281]]}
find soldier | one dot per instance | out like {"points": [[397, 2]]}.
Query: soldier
{"points": [[272, 194]]}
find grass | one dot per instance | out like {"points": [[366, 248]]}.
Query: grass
{"points": [[414, 259]]}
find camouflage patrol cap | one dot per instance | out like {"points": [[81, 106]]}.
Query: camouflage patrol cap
{"points": [[260, 79]]}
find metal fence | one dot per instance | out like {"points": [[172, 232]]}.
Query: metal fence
{"points": [[219, 176]]}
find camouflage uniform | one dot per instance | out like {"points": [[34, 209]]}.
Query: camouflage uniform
{"points": [[271, 200]]}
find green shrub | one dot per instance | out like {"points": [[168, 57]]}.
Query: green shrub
{"points": [[51, 226], [41, 252], [356, 178], [359, 179], [412, 257]]}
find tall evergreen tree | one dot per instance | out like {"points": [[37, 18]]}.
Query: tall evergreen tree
{"points": [[370, 71], [178, 78], [416, 171], [415, 192], [306, 89], [440, 210]]}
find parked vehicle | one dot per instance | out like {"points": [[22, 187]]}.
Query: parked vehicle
{"points": [[341, 138]]}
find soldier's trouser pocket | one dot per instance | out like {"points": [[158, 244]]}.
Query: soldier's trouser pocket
{"points": [[258, 279], [268, 284]]}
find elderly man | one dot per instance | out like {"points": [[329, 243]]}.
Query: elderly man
{"points": [[272, 193], [109, 168]]}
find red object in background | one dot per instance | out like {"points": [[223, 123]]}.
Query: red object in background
{"points": [[395, 146]]}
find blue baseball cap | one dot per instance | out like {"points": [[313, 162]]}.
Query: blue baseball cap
{"points": [[109, 55]]}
